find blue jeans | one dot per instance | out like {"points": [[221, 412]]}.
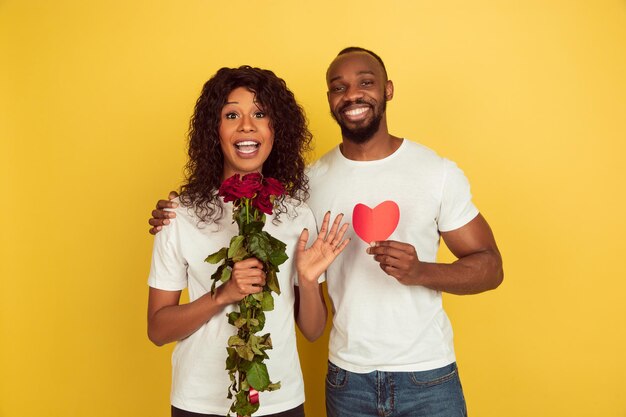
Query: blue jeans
{"points": [[434, 393]]}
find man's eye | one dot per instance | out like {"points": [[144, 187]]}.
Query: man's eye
{"points": [[367, 83], [230, 115], [337, 89]]}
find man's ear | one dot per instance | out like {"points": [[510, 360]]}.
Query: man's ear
{"points": [[389, 90]]}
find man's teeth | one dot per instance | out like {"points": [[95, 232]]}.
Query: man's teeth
{"points": [[247, 146], [356, 112]]}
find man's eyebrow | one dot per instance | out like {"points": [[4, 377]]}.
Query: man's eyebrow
{"points": [[232, 102], [367, 72]]}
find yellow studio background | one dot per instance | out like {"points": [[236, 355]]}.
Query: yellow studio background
{"points": [[529, 98]]}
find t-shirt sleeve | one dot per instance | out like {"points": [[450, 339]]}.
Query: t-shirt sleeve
{"points": [[457, 208], [168, 269], [308, 221]]}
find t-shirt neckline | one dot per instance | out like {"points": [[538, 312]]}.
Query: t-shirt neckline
{"points": [[389, 157]]}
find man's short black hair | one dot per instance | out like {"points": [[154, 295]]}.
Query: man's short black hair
{"points": [[367, 51]]}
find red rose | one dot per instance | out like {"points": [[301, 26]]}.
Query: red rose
{"points": [[263, 202], [235, 187], [250, 185], [229, 188], [273, 187]]}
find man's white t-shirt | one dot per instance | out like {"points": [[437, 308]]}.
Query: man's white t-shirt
{"points": [[380, 324], [199, 377]]}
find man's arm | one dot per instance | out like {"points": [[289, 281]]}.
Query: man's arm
{"points": [[477, 269], [160, 216]]}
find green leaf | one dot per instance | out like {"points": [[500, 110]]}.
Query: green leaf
{"points": [[245, 352], [278, 257], [217, 256], [267, 304], [235, 341], [225, 276], [218, 272], [276, 244], [260, 319], [243, 307], [240, 255], [273, 387], [241, 217], [253, 339], [257, 376], [259, 246], [266, 341], [233, 316], [216, 276], [253, 227], [244, 385], [235, 244], [242, 404], [232, 360], [272, 281]]}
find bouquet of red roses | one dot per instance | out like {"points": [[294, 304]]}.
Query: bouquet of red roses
{"points": [[253, 197]]}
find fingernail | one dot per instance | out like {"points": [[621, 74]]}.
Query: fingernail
{"points": [[372, 244]]}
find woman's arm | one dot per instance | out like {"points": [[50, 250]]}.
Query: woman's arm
{"points": [[169, 321], [310, 308]]}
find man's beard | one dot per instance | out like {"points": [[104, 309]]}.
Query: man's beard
{"points": [[362, 134]]}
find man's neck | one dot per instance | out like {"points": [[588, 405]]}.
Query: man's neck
{"points": [[379, 146]]}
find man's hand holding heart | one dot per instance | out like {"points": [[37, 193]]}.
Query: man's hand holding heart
{"points": [[374, 226], [398, 260]]}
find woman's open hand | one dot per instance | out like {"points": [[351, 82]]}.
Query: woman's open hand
{"points": [[311, 262]]}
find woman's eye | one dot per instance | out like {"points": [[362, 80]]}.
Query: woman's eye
{"points": [[230, 115], [259, 115]]}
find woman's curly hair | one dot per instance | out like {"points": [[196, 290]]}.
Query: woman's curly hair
{"points": [[286, 162]]}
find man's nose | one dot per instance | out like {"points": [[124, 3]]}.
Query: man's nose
{"points": [[353, 93]]}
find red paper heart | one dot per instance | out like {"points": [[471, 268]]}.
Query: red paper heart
{"points": [[375, 224]]}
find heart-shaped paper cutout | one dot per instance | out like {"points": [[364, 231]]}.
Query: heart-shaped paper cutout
{"points": [[375, 224]]}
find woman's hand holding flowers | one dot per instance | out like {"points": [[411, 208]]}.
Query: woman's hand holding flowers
{"points": [[247, 278]]}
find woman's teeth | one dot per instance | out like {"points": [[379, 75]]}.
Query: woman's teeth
{"points": [[247, 146]]}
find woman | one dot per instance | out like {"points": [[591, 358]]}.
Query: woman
{"points": [[246, 120]]}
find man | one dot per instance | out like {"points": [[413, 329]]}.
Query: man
{"points": [[391, 350]]}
